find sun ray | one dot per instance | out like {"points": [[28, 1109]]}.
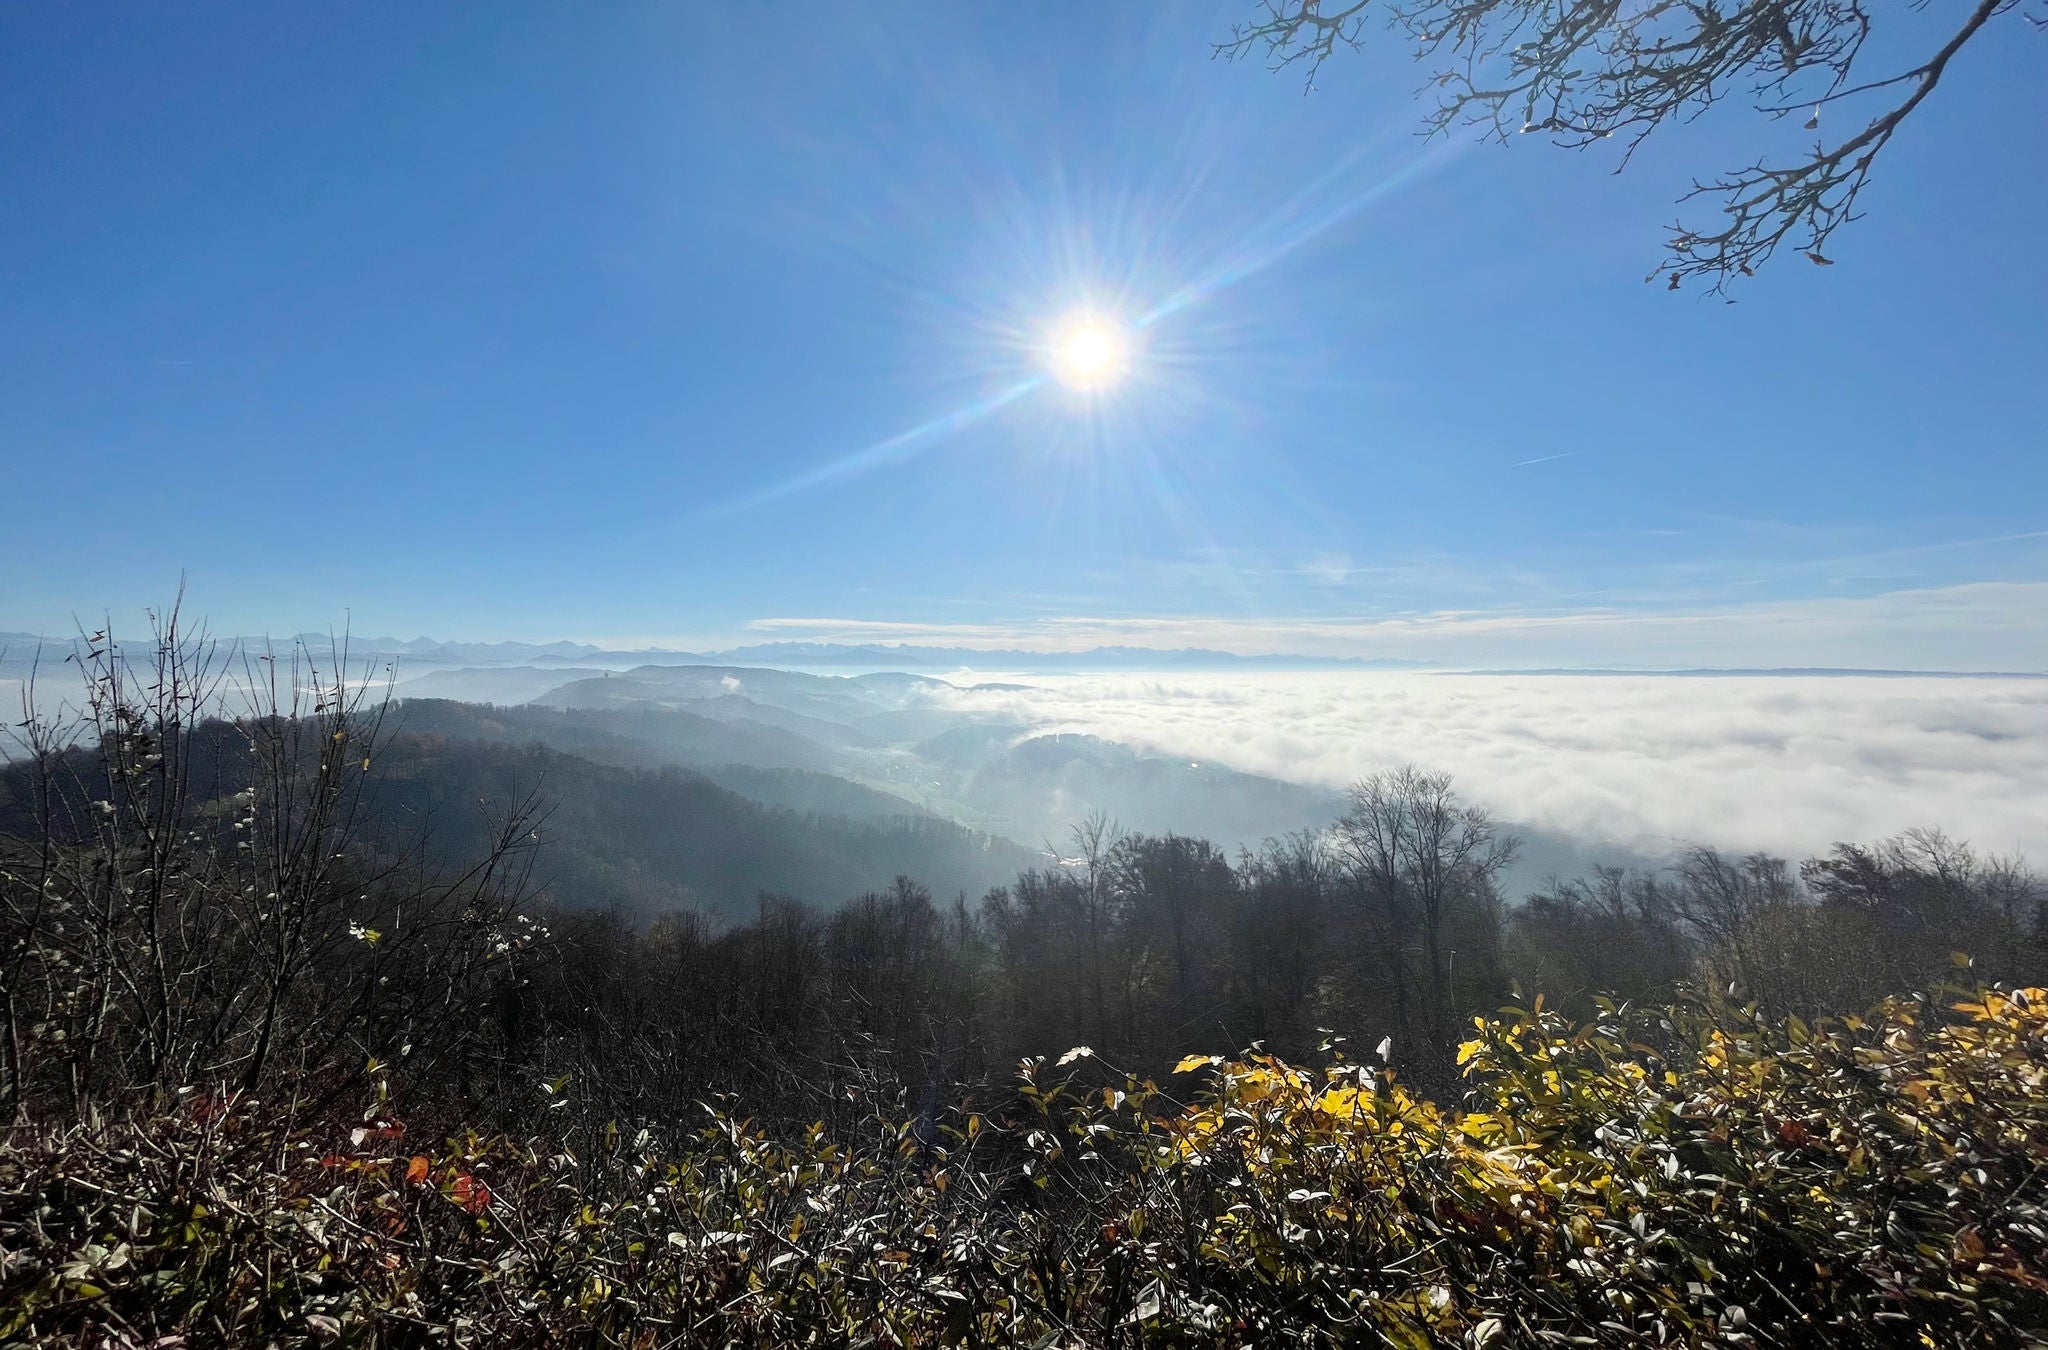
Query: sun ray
{"points": [[1095, 347], [903, 445], [1299, 222]]}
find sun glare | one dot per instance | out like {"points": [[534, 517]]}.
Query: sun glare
{"points": [[1089, 353]]}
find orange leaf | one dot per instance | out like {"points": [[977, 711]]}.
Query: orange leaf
{"points": [[472, 1194], [416, 1171]]}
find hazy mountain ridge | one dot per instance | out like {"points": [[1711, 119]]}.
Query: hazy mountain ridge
{"points": [[649, 840], [874, 740], [872, 745], [881, 658], [565, 657], [987, 771], [632, 737], [641, 838]]}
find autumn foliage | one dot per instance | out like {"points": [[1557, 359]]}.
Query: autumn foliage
{"points": [[1678, 1176]]}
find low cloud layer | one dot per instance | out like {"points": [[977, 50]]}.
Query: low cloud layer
{"points": [[1788, 764]]}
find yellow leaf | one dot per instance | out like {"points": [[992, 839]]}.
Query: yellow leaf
{"points": [[1193, 1062], [1340, 1101]]}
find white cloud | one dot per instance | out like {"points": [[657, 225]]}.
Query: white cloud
{"points": [[1978, 626], [1791, 764]]}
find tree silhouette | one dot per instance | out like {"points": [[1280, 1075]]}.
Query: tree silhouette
{"points": [[1583, 74]]}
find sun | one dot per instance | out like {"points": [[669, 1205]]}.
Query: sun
{"points": [[1089, 352]]}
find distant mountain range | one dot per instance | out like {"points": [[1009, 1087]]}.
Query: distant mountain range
{"points": [[548, 664], [1095, 658], [873, 656]]}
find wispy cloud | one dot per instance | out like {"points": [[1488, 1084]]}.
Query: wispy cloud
{"points": [[1979, 626]]}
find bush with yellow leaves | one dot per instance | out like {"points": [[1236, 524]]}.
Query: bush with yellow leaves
{"points": [[1684, 1177], [1662, 1178]]}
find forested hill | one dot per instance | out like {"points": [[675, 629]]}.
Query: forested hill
{"points": [[644, 840], [883, 744], [639, 735], [760, 762], [652, 840]]}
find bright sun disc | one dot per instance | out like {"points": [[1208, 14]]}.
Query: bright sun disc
{"points": [[1088, 354]]}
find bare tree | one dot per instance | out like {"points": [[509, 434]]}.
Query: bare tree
{"points": [[1615, 933], [1280, 940], [1173, 887], [1583, 74], [191, 891], [1922, 896], [1732, 906], [1094, 842], [1416, 855]]}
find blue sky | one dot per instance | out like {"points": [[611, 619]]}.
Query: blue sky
{"points": [[620, 322]]}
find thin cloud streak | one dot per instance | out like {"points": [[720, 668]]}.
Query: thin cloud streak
{"points": [[1972, 627]]}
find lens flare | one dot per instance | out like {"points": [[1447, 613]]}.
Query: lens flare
{"points": [[1124, 328], [1089, 353]]}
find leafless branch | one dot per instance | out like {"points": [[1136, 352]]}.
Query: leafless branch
{"points": [[1586, 73]]}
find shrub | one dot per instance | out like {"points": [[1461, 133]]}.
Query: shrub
{"points": [[1673, 1177]]}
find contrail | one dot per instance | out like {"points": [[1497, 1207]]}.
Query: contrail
{"points": [[1544, 459]]}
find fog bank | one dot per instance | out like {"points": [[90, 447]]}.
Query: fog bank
{"points": [[1786, 763]]}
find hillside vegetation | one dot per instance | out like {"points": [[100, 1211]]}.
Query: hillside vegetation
{"points": [[295, 1052]]}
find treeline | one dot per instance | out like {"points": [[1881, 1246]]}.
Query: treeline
{"points": [[1385, 930]]}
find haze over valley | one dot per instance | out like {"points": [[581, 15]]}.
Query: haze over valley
{"points": [[962, 776]]}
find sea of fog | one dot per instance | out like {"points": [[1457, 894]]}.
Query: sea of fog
{"points": [[1789, 764]]}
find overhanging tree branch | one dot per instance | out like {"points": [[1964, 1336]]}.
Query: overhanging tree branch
{"points": [[1590, 71]]}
